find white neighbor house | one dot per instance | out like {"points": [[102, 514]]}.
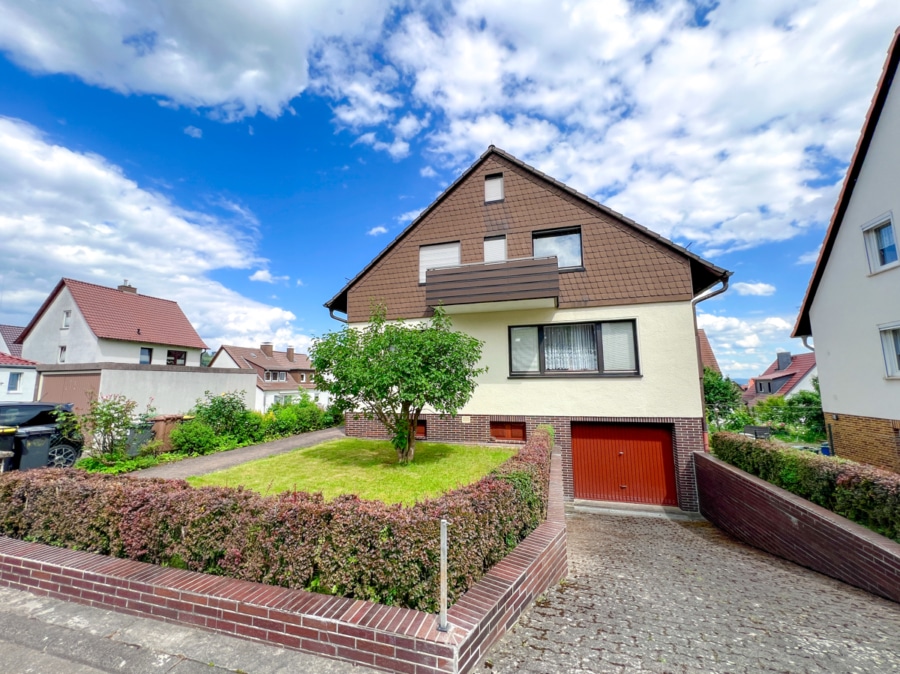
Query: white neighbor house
{"points": [[17, 379], [852, 305]]}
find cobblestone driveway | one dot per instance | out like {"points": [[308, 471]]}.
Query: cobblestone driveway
{"points": [[652, 595]]}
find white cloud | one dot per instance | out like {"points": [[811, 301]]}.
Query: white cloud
{"points": [[745, 347], [265, 276], [409, 216], [758, 289], [377, 231], [809, 258], [193, 132], [234, 59], [428, 172], [66, 213], [397, 148]]}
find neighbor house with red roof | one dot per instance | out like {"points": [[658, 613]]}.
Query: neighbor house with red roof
{"points": [[17, 378], [852, 305], [8, 336], [788, 375], [707, 357]]}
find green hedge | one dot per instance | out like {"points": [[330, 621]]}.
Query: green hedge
{"points": [[866, 495], [346, 547]]}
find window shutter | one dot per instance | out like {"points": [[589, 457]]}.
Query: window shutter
{"points": [[439, 255], [524, 346], [618, 347], [495, 249], [493, 188]]}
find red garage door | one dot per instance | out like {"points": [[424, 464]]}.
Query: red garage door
{"points": [[632, 463]]}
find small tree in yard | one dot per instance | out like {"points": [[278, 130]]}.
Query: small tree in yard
{"points": [[721, 395], [392, 371]]}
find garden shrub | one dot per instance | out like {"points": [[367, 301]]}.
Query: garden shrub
{"points": [[224, 413], [194, 437], [347, 547], [868, 496]]}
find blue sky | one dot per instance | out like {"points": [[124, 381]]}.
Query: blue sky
{"points": [[246, 159]]}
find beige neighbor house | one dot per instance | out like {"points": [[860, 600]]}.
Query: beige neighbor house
{"points": [[91, 340], [587, 320], [852, 305], [280, 375]]}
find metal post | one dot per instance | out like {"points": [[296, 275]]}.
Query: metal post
{"points": [[442, 624]]}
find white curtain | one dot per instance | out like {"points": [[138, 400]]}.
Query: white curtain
{"points": [[570, 348]]}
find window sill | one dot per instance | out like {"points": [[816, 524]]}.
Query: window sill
{"points": [[578, 375], [887, 267], [892, 377], [566, 270]]}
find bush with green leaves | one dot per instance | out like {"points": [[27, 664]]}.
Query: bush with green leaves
{"points": [[105, 425], [194, 437], [225, 413]]}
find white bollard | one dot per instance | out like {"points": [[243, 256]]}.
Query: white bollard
{"points": [[442, 622]]}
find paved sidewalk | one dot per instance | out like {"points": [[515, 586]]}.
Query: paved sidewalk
{"points": [[46, 636], [221, 460], [653, 595]]}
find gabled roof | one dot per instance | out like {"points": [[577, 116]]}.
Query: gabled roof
{"points": [[8, 359], [800, 366], [704, 273], [254, 358], [803, 327], [707, 357], [10, 334], [125, 316]]}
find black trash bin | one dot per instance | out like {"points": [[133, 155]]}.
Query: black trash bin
{"points": [[33, 446], [7, 444]]}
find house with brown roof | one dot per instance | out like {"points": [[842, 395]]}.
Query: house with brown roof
{"points": [[17, 378], [91, 340], [707, 356], [852, 305], [280, 375], [587, 320], [8, 336], [786, 376]]}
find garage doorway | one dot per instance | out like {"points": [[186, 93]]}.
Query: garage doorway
{"points": [[631, 463]]}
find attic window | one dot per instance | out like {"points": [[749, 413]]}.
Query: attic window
{"points": [[282, 376], [438, 256], [268, 376], [563, 244], [881, 244], [493, 187], [67, 319]]}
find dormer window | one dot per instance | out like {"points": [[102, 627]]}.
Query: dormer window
{"points": [[67, 319], [268, 376], [493, 188], [282, 376]]}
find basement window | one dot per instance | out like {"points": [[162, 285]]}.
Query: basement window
{"points": [[508, 430], [421, 429]]}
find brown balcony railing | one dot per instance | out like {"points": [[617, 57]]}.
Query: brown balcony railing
{"points": [[520, 279]]}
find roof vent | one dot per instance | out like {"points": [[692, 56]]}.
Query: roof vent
{"points": [[125, 288], [784, 360], [266, 348]]}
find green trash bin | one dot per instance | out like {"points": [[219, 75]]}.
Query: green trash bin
{"points": [[7, 446], [33, 445]]}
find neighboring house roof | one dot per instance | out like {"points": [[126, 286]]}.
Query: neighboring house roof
{"points": [[707, 357], [10, 333], [15, 361], [801, 365], [803, 327], [255, 358], [115, 314], [704, 273]]}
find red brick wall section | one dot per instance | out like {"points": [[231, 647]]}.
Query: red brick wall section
{"points": [[687, 435], [388, 638], [866, 439], [774, 520]]}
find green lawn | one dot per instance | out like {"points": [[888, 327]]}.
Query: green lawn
{"points": [[367, 468]]}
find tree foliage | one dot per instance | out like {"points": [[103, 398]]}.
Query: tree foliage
{"points": [[392, 371], [721, 396]]}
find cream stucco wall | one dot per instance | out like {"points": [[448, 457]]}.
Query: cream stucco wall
{"points": [[669, 384], [26, 384], [115, 351], [43, 342], [851, 302]]}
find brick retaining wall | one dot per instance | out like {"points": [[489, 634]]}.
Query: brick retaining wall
{"points": [[687, 436], [774, 520], [865, 439], [389, 638]]}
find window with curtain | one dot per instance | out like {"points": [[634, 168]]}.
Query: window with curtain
{"points": [[608, 347]]}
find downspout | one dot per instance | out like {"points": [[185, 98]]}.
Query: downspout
{"points": [[805, 341], [337, 318], [694, 303]]}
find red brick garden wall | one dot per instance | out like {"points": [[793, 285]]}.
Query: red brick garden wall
{"points": [[687, 435], [390, 638], [865, 439], [774, 520]]}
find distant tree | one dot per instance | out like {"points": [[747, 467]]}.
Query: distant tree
{"points": [[391, 371], [720, 395]]}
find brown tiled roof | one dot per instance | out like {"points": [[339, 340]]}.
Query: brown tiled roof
{"points": [[800, 366], [10, 334], [803, 327], [700, 276], [707, 357], [251, 357], [7, 359], [126, 316]]}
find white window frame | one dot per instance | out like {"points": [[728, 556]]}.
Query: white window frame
{"points": [[438, 256], [493, 188], [302, 377], [61, 355], [888, 348], [267, 376], [282, 376], [868, 229], [67, 319], [542, 370], [19, 376]]}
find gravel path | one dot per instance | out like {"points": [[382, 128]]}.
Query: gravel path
{"points": [[221, 460], [652, 595]]}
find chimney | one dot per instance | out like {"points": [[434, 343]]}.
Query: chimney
{"points": [[290, 353], [266, 348], [784, 360], [125, 288]]}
